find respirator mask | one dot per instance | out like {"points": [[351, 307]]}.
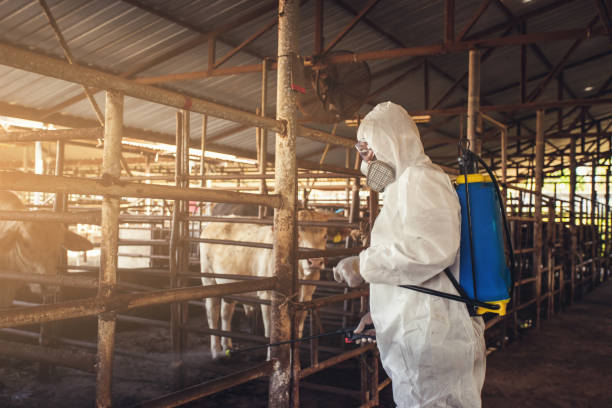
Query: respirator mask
{"points": [[378, 173]]}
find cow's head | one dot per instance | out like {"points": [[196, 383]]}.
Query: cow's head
{"points": [[312, 237], [38, 245]]}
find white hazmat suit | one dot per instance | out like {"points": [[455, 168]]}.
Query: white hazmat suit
{"points": [[430, 347]]}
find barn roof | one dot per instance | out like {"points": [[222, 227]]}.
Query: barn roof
{"points": [[136, 37]]}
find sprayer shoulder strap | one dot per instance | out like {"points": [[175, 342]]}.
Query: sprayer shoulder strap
{"points": [[456, 284], [463, 297]]}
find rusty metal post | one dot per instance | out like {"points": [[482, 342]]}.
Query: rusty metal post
{"points": [[572, 208], [111, 168], [39, 168], [594, 228], [203, 149], [183, 235], [175, 260], [184, 242], [473, 104], [537, 235], [551, 239], [263, 136], [504, 163], [608, 235], [285, 184]]}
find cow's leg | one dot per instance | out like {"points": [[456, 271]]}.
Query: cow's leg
{"points": [[227, 312], [265, 317], [213, 308], [301, 318]]}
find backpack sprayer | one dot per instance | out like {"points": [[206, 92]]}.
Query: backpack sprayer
{"points": [[349, 337], [485, 283]]}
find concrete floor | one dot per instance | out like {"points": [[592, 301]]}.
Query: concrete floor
{"points": [[568, 363]]}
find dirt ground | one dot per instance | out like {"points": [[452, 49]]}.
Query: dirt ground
{"points": [[568, 363]]}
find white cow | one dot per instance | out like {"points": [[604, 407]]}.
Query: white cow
{"points": [[238, 260], [31, 247]]}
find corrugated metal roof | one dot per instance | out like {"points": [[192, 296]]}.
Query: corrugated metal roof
{"points": [[116, 36]]}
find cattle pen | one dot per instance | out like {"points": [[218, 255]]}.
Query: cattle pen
{"points": [[121, 120]]}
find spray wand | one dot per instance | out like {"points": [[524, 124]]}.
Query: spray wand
{"points": [[349, 337]]}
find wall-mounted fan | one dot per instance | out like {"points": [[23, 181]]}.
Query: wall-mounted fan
{"points": [[334, 91]]}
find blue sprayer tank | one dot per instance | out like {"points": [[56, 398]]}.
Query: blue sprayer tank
{"points": [[492, 274]]}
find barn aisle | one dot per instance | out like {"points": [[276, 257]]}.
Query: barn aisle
{"points": [[566, 364]]}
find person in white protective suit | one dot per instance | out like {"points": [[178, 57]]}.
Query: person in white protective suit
{"points": [[430, 346]]}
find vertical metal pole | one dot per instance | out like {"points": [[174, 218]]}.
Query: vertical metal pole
{"points": [[39, 168], [203, 149], [111, 165], [551, 239], [473, 98], [60, 198], [285, 229], [263, 136], [573, 230], [504, 163], [347, 190], [537, 236], [183, 245], [148, 201], [175, 236], [580, 238], [594, 262], [608, 235]]}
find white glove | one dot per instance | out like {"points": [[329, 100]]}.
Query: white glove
{"points": [[347, 271], [365, 320]]}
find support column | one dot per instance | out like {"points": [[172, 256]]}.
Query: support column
{"points": [[504, 163], [473, 104], [263, 138], [551, 239], [183, 243], [537, 235], [285, 226], [608, 235], [594, 228], [176, 255], [203, 149], [573, 230], [111, 168], [39, 168]]}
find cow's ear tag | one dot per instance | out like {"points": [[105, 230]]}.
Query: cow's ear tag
{"points": [[337, 238]]}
